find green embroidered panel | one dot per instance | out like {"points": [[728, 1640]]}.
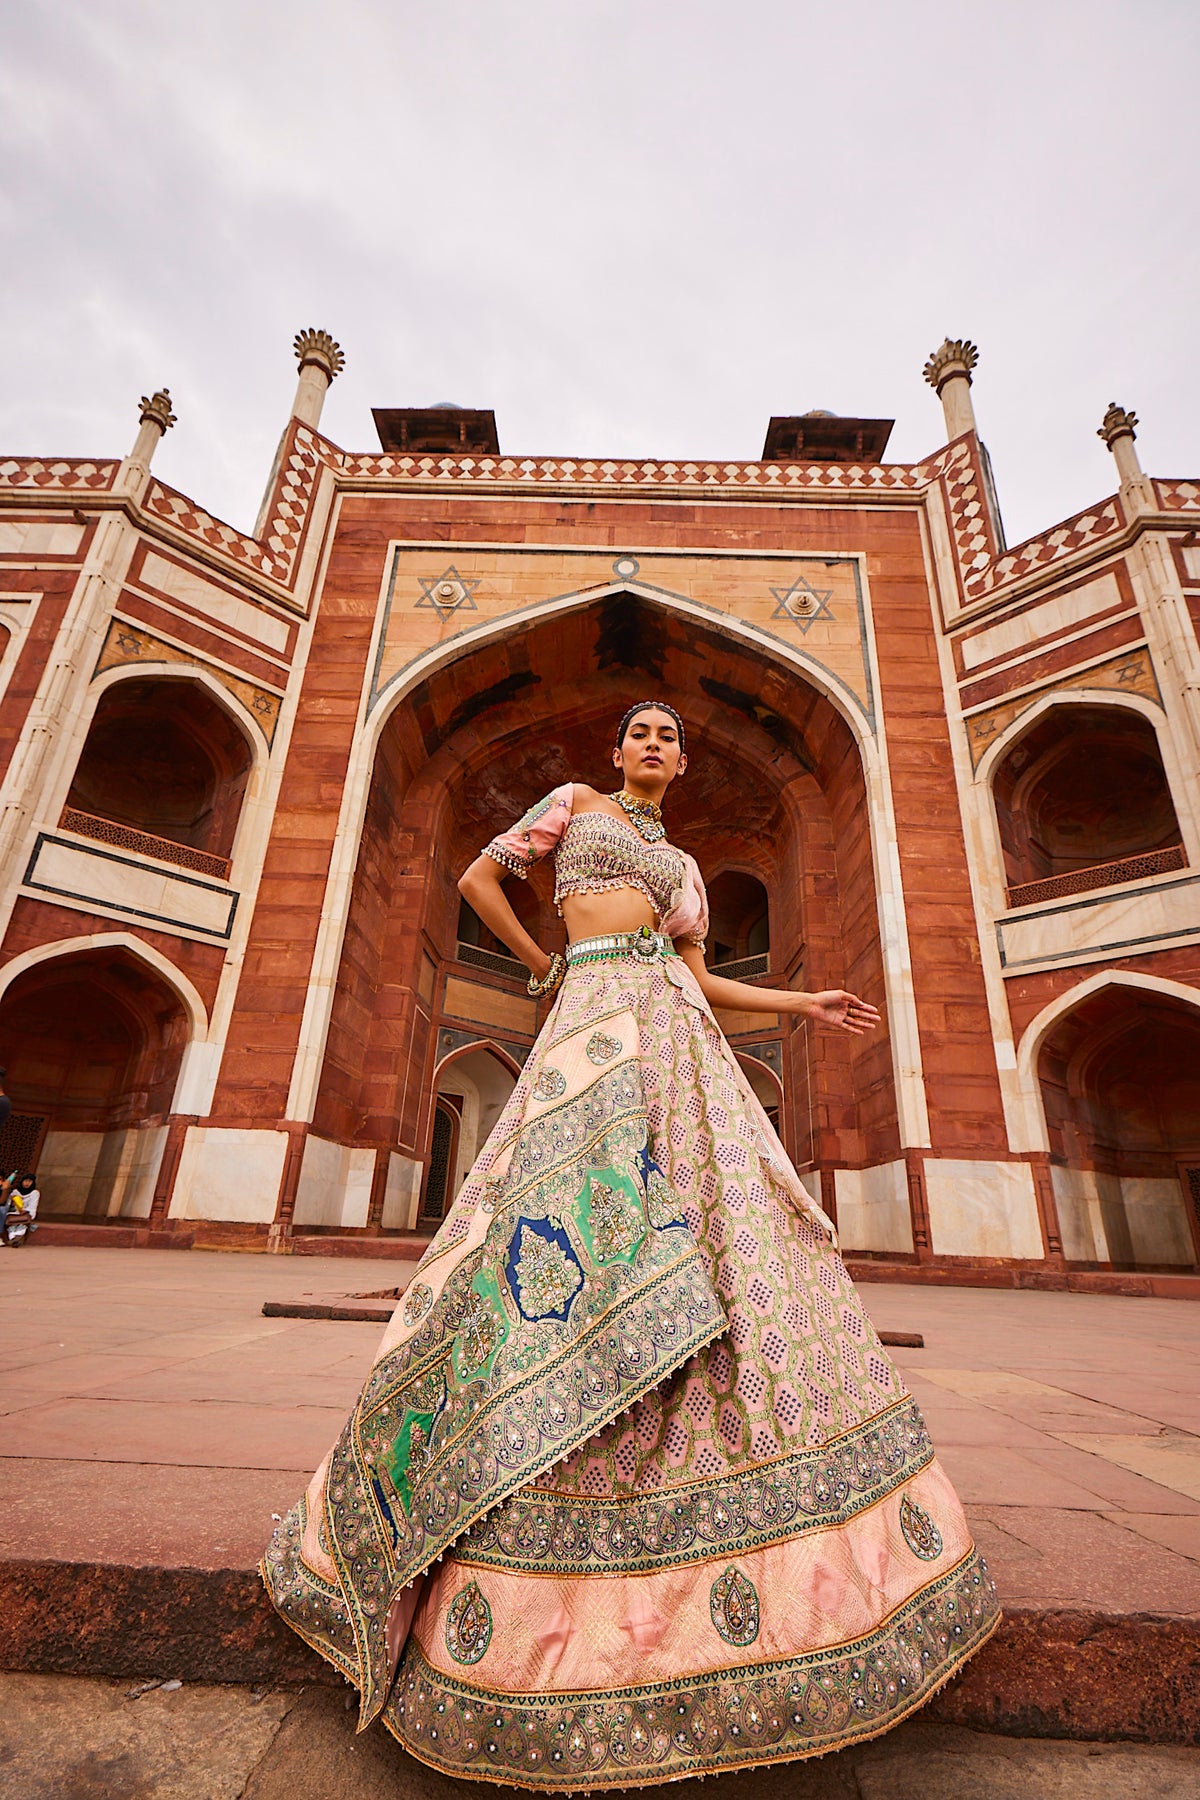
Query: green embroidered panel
{"points": [[611, 1215], [488, 1392]]}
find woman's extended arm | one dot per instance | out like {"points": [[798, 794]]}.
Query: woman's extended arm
{"points": [[835, 1008], [481, 888]]}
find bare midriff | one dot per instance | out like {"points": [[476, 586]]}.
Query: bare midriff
{"points": [[616, 909]]}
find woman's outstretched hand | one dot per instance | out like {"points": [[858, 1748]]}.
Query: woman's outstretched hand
{"points": [[837, 1010]]}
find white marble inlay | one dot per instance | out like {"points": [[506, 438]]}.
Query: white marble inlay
{"points": [[403, 1192], [1041, 621], [1077, 927], [19, 537], [204, 597], [65, 1168], [229, 1173], [1083, 1196], [335, 1184], [1158, 1224], [982, 1209], [872, 1208], [118, 884]]}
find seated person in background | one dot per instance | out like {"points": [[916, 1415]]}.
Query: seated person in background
{"points": [[18, 1195]]}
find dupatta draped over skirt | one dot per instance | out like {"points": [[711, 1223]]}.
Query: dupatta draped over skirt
{"points": [[632, 1492]]}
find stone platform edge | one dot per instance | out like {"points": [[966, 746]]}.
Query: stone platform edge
{"points": [[1131, 1677]]}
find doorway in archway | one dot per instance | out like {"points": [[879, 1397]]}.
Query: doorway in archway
{"points": [[93, 1044], [1120, 1080], [471, 1092]]}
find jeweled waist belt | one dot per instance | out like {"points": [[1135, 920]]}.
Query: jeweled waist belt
{"points": [[642, 945]]}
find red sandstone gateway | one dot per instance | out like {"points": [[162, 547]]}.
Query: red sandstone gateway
{"points": [[243, 773]]}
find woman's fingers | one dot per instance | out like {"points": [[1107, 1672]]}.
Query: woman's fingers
{"points": [[846, 1012]]}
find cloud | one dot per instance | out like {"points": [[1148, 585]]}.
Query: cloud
{"points": [[630, 228]]}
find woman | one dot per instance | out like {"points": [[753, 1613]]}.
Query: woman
{"points": [[632, 1492]]}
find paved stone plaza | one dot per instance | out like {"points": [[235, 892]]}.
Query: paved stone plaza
{"points": [[225, 1743], [152, 1421], [151, 1412]]}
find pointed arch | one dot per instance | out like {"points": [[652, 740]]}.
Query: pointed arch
{"points": [[499, 1051], [184, 990], [1040, 1027], [745, 639]]}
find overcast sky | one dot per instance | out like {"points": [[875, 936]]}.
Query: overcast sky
{"points": [[633, 227]]}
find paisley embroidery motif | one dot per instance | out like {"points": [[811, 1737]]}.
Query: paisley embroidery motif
{"points": [[481, 1331], [615, 1230], [468, 1625], [920, 1533], [492, 1190], [662, 1202], [544, 1276], [733, 1604], [601, 1048], [551, 1084], [417, 1302], [410, 1454]]}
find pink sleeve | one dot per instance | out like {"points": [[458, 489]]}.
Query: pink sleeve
{"points": [[688, 918], [538, 832]]}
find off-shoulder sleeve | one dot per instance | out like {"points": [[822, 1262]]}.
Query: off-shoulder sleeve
{"points": [[687, 921], [526, 842]]}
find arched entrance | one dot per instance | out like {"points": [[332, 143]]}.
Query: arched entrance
{"points": [[471, 1091], [774, 805], [93, 1042], [1120, 1082]]}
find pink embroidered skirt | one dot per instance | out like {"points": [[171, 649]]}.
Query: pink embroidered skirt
{"points": [[632, 1492]]}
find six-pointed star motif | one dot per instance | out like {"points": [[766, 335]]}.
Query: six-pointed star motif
{"points": [[802, 603], [448, 592]]}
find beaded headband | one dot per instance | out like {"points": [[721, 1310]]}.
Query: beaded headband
{"points": [[644, 706]]}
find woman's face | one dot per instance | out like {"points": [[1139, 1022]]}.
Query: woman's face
{"points": [[650, 749]]}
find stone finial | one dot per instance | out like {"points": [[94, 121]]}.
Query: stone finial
{"points": [[1118, 423], [948, 372], [157, 410], [320, 361], [1118, 433], [956, 356], [155, 419], [316, 349]]}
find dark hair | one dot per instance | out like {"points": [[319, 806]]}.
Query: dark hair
{"points": [[645, 706]]}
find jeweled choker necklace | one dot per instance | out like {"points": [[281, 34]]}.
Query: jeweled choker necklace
{"points": [[645, 814]]}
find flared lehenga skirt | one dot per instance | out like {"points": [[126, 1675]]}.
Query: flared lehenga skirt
{"points": [[632, 1492]]}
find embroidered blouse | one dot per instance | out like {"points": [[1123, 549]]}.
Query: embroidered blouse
{"points": [[595, 852]]}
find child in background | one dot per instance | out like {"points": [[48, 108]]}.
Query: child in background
{"points": [[19, 1197]]}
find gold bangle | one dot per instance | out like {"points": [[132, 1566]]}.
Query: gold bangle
{"points": [[550, 980]]}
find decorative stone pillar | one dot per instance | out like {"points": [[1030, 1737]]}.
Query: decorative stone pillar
{"points": [[948, 372], [321, 361], [156, 420], [1118, 433]]}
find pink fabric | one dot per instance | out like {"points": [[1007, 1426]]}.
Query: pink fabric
{"points": [[400, 1617], [643, 1621], [526, 842], [688, 918], [552, 1636]]}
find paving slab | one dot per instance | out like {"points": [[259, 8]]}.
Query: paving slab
{"points": [[153, 1421], [67, 1738]]}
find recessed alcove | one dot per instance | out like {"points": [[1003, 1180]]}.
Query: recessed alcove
{"points": [[1082, 801], [164, 762]]}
